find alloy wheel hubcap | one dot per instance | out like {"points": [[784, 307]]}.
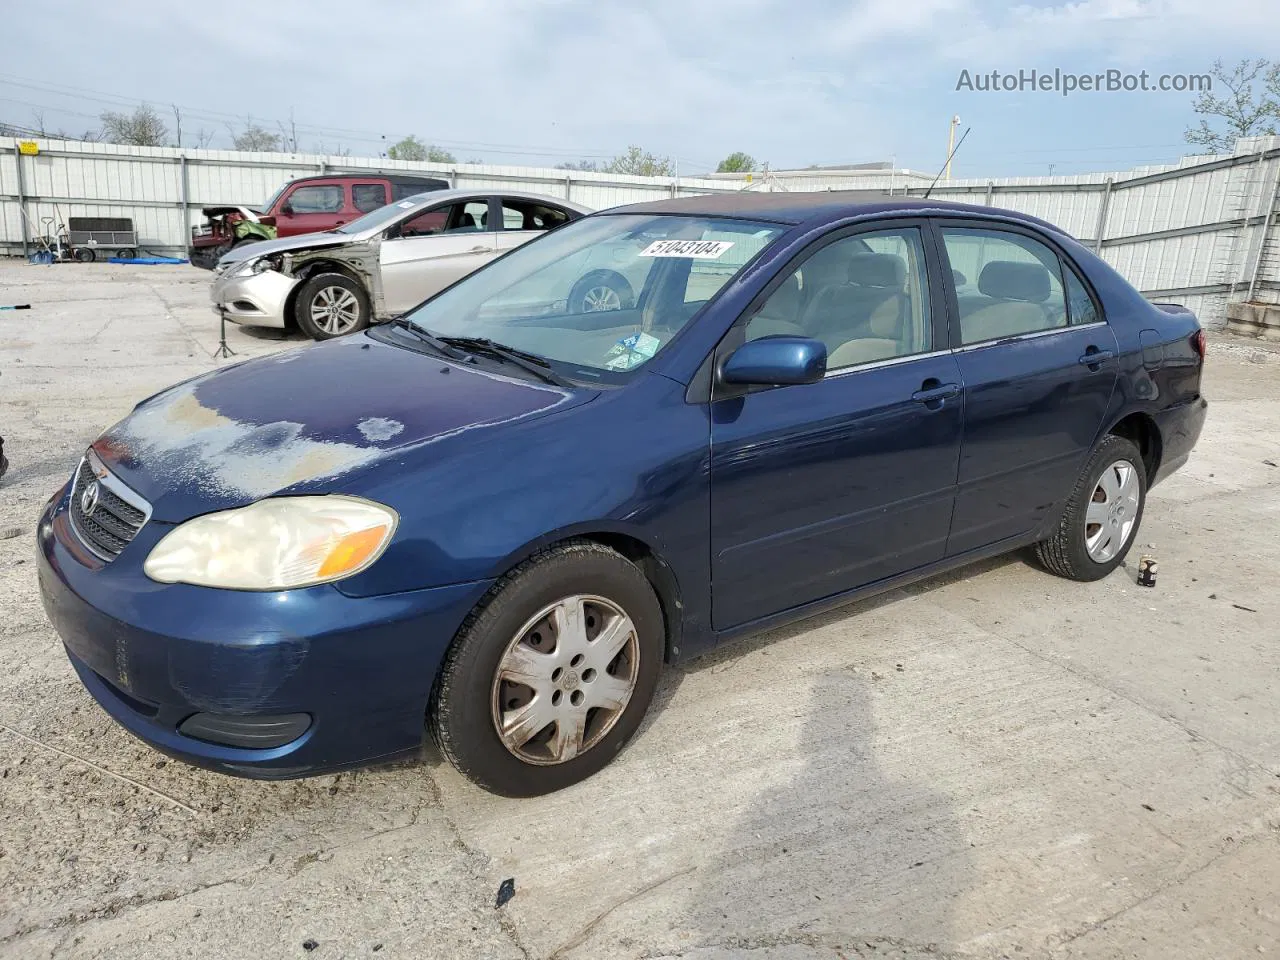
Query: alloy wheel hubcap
{"points": [[1112, 511], [601, 298], [335, 310], [565, 679]]}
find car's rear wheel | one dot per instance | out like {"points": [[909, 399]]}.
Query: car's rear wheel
{"points": [[331, 305], [600, 291], [1102, 516], [550, 677]]}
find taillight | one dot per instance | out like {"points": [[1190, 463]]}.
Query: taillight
{"points": [[1199, 344]]}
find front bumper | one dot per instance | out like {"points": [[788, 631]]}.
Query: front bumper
{"points": [[255, 299], [155, 655]]}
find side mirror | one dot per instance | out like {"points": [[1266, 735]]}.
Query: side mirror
{"points": [[287, 208], [776, 361]]}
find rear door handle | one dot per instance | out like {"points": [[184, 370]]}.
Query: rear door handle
{"points": [[944, 391], [1094, 357]]}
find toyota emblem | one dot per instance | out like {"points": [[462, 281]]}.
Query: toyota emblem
{"points": [[89, 498]]}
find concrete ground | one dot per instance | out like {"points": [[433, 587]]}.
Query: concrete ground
{"points": [[996, 763]]}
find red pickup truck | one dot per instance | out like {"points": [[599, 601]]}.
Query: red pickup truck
{"points": [[305, 205]]}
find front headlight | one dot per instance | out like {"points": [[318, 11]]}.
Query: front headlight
{"points": [[275, 544], [255, 265]]}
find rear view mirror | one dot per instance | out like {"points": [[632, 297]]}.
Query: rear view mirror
{"points": [[776, 361]]}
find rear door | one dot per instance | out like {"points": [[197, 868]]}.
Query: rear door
{"points": [[311, 207], [431, 250], [819, 488], [522, 220], [1037, 375]]}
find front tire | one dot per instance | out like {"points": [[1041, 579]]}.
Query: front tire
{"points": [[331, 305], [1102, 515], [551, 675]]}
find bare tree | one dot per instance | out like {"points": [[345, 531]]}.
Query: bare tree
{"points": [[38, 116], [587, 166], [204, 138], [177, 123], [640, 163], [255, 138], [142, 128], [1242, 112]]}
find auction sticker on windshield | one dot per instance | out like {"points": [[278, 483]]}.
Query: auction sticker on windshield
{"points": [[692, 249]]}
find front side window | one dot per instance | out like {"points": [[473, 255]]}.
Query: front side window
{"points": [[865, 296], [1007, 284], [317, 199], [601, 296]]}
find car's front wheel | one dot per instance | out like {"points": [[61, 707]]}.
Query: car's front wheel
{"points": [[331, 305], [1101, 518], [600, 291], [549, 678]]}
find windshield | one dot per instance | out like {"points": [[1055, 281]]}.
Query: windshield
{"points": [[602, 295], [271, 201], [383, 216]]}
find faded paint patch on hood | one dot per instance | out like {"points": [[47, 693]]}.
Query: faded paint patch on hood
{"points": [[309, 415]]}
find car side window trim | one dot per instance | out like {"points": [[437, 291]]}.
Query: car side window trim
{"points": [[1031, 335]]}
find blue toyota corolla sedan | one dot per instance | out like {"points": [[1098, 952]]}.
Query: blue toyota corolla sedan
{"points": [[498, 516]]}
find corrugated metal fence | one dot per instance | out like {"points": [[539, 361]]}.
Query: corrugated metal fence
{"points": [[1201, 232]]}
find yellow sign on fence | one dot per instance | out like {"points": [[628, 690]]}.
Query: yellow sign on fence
{"points": [[28, 148]]}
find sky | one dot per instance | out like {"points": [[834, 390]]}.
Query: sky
{"points": [[540, 82]]}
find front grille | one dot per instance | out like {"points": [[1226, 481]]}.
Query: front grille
{"points": [[112, 521]]}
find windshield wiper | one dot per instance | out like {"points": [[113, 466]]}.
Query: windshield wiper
{"points": [[453, 353], [539, 366]]}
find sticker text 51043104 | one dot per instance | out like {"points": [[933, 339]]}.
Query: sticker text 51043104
{"points": [[692, 249]]}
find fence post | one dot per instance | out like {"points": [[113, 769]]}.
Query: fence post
{"points": [[23, 213], [568, 186], [184, 194], [990, 190], [1262, 243], [1102, 216]]}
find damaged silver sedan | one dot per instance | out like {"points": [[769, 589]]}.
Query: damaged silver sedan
{"points": [[382, 264]]}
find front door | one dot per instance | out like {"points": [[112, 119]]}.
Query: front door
{"points": [[432, 250], [1033, 400], [310, 207], [821, 488]]}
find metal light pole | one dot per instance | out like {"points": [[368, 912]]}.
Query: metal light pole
{"points": [[951, 142]]}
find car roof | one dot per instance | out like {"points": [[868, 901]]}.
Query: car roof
{"points": [[818, 206], [437, 197], [413, 178]]}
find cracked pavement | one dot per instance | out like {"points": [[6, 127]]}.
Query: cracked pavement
{"points": [[993, 763]]}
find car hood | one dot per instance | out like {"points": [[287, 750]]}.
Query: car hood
{"points": [[302, 241], [301, 420]]}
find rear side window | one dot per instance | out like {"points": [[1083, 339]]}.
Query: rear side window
{"points": [[527, 215], [1079, 303], [317, 199], [1006, 284], [367, 197], [401, 190]]}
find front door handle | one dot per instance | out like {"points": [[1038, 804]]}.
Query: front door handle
{"points": [[1094, 358], [932, 393], [478, 250]]}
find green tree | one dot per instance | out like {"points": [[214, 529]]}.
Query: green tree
{"points": [[1238, 111], [142, 128], [639, 163], [411, 148], [737, 162]]}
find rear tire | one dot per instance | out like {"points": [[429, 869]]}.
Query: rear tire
{"points": [[331, 305], [601, 290], [582, 703], [85, 255], [1102, 516], [128, 253]]}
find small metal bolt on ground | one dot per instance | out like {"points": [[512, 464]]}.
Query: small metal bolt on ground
{"points": [[223, 350]]}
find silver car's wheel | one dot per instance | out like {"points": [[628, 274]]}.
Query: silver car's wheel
{"points": [[335, 310], [565, 678], [601, 298], [1112, 511]]}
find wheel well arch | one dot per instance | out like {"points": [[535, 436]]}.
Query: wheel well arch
{"points": [[308, 270], [650, 562], [1142, 430]]}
